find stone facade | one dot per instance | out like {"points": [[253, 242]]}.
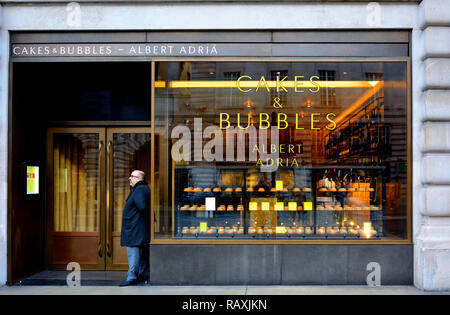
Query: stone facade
{"points": [[3, 148], [430, 25], [432, 246]]}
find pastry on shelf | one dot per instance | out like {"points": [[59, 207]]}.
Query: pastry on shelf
{"points": [[221, 208], [361, 189], [228, 230], [229, 189], [285, 190], [259, 231], [357, 208], [323, 189], [365, 208], [371, 189], [221, 230], [374, 208], [273, 190], [211, 231], [300, 230], [241, 230], [185, 230], [338, 208], [307, 189], [308, 230], [239, 189], [230, 208], [197, 189], [201, 208], [333, 189], [329, 208], [286, 208], [235, 229], [217, 189], [320, 208], [261, 189], [347, 208], [321, 230], [352, 231], [240, 208], [291, 230], [185, 207], [299, 208], [342, 189], [296, 189], [207, 190], [251, 230], [195, 230], [250, 189], [193, 208], [351, 189]]}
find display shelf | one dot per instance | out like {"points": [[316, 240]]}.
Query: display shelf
{"points": [[247, 204]]}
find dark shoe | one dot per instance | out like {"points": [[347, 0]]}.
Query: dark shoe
{"points": [[141, 280], [128, 283]]}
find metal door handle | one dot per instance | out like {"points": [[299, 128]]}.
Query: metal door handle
{"points": [[109, 227], [100, 244]]}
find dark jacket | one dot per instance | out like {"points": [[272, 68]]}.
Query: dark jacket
{"points": [[136, 217]]}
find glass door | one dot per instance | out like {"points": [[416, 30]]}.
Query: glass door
{"points": [[75, 198], [128, 149], [88, 170]]}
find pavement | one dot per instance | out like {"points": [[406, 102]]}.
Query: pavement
{"points": [[213, 290]]}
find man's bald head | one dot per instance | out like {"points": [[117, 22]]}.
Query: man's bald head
{"points": [[136, 176]]}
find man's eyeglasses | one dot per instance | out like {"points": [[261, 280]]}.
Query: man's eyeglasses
{"points": [[134, 176]]}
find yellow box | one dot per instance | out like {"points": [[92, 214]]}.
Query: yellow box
{"points": [[307, 206], [280, 230], [279, 185], [292, 206], [253, 206], [265, 206], [203, 227], [279, 206]]}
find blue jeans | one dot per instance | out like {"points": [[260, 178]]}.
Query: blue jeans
{"points": [[138, 262]]}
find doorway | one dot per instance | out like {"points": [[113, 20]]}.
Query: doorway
{"points": [[87, 175]]}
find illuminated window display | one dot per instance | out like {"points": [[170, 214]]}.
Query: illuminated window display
{"points": [[281, 151]]}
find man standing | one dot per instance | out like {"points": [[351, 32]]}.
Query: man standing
{"points": [[136, 229]]}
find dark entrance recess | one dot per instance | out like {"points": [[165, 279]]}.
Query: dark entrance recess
{"points": [[47, 95]]}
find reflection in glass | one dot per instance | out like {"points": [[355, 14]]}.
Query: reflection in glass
{"points": [[132, 151], [76, 182], [340, 160]]}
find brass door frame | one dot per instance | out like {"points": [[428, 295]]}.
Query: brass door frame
{"points": [[50, 194], [110, 191], [106, 151]]}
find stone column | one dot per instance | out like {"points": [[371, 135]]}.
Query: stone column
{"points": [[3, 148], [432, 246]]}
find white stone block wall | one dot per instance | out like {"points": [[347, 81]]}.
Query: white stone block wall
{"points": [[3, 149], [432, 246]]}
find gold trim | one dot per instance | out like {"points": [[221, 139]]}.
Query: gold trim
{"points": [[152, 162]]}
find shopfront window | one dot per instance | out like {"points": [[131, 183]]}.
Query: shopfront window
{"points": [[280, 151]]}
